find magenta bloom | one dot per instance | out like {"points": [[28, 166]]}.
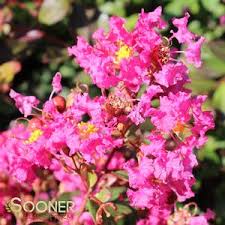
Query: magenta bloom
{"points": [[56, 83], [183, 35], [193, 52], [24, 103]]}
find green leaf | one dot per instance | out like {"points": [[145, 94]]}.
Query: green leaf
{"points": [[83, 78], [218, 49], [214, 64], [8, 71], [176, 7], [104, 195], [209, 150], [199, 84], [116, 192], [121, 173], [110, 194], [195, 27], [108, 221], [53, 11], [67, 71], [92, 179], [67, 196], [121, 209], [113, 8], [214, 6], [218, 97], [138, 2], [131, 21], [92, 208]]}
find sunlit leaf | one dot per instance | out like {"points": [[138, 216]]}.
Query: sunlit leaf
{"points": [[113, 8], [209, 150], [177, 7], [218, 97], [116, 192], [83, 78], [104, 195], [122, 209], [53, 11], [92, 208], [121, 173], [131, 21], [214, 6], [8, 70], [218, 48], [92, 179]]}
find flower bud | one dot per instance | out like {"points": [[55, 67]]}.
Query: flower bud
{"points": [[60, 103], [66, 150]]}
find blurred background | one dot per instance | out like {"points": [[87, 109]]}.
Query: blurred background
{"points": [[34, 36]]}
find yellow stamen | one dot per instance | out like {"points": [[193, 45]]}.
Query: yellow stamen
{"points": [[179, 128], [86, 129], [124, 52], [35, 134]]}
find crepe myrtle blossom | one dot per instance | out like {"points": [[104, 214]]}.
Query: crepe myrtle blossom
{"points": [[24, 103], [56, 83], [135, 143]]}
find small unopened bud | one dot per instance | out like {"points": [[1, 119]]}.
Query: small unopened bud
{"points": [[66, 151], [60, 103]]}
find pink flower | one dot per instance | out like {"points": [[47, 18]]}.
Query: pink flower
{"points": [[86, 219], [183, 35], [117, 30], [162, 173], [24, 103], [171, 74], [222, 20], [173, 110], [198, 220], [120, 55], [156, 147], [209, 215], [140, 111], [151, 20], [23, 172], [132, 73], [203, 120], [145, 36], [155, 217], [56, 83], [185, 216], [193, 52], [69, 181], [95, 62], [117, 161]]}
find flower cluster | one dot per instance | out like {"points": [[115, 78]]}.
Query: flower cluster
{"points": [[88, 145]]}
